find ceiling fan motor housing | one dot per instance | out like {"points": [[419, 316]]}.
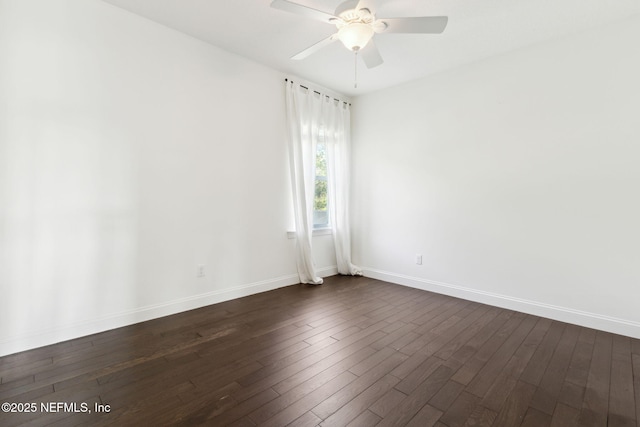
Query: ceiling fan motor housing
{"points": [[355, 27]]}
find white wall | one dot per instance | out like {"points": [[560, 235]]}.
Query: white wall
{"points": [[517, 179], [130, 153]]}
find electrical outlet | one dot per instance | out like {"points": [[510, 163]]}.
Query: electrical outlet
{"points": [[200, 270], [419, 259]]}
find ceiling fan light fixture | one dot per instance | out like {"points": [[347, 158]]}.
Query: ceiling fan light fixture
{"points": [[355, 35]]}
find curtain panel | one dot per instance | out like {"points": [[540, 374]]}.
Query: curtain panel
{"points": [[308, 114]]}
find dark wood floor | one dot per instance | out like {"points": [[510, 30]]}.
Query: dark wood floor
{"points": [[354, 351]]}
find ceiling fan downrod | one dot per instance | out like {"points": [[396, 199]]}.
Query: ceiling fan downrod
{"points": [[355, 70]]}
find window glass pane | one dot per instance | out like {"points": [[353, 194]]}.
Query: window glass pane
{"points": [[321, 160], [320, 212], [320, 202]]}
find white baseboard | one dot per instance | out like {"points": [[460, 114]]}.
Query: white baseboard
{"points": [[563, 314], [80, 329], [76, 330], [327, 271]]}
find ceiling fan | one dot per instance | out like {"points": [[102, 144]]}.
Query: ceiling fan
{"points": [[357, 24]]}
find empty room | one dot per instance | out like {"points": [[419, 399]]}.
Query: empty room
{"points": [[320, 213]]}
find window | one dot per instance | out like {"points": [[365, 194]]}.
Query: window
{"points": [[320, 202]]}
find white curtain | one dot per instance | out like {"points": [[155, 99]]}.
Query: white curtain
{"points": [[338, 140], [309, 112], [303, 125]]}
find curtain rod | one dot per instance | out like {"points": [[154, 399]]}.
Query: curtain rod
{"points": [[315, 91]]}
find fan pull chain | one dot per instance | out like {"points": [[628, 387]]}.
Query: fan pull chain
{"points": [[355, 73]]}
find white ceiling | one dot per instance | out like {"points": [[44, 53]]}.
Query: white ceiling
{"points": [[477, 29]]}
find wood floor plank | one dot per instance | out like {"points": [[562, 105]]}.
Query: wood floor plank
{"points": [[538, 364], [12, 385], [480, 417], [309, 419], [427, 416], [550, 385], [355, 351], [515, 408], [636, 380], [571, 395], [418, 398], [432, 323], [467, 332], [461, 410], [349, 392], [485, 378], [294, 394], [432, 303], [535, 418], [242, 422], [9, 373], [412, 306], [365, 419], [469, 370], [456, 331], [204, 415], [325, 356], [297, 409], [578, 371], [419, 375], [386, 403], [361, 402], [565, 416], [336, 363], [506, 380], [285, 362], [622, 408], [595, 405], [446, 395], [463, 354], [26, 392], [373, 360], [398, 338]]}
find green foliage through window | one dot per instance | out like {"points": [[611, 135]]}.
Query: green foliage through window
{"points": [[321, 179], [320, 212]]}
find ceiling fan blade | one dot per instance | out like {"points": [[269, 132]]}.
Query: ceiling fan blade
{"points": [[299, 9], [371, 55], [422, 25], [316, 47]]}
